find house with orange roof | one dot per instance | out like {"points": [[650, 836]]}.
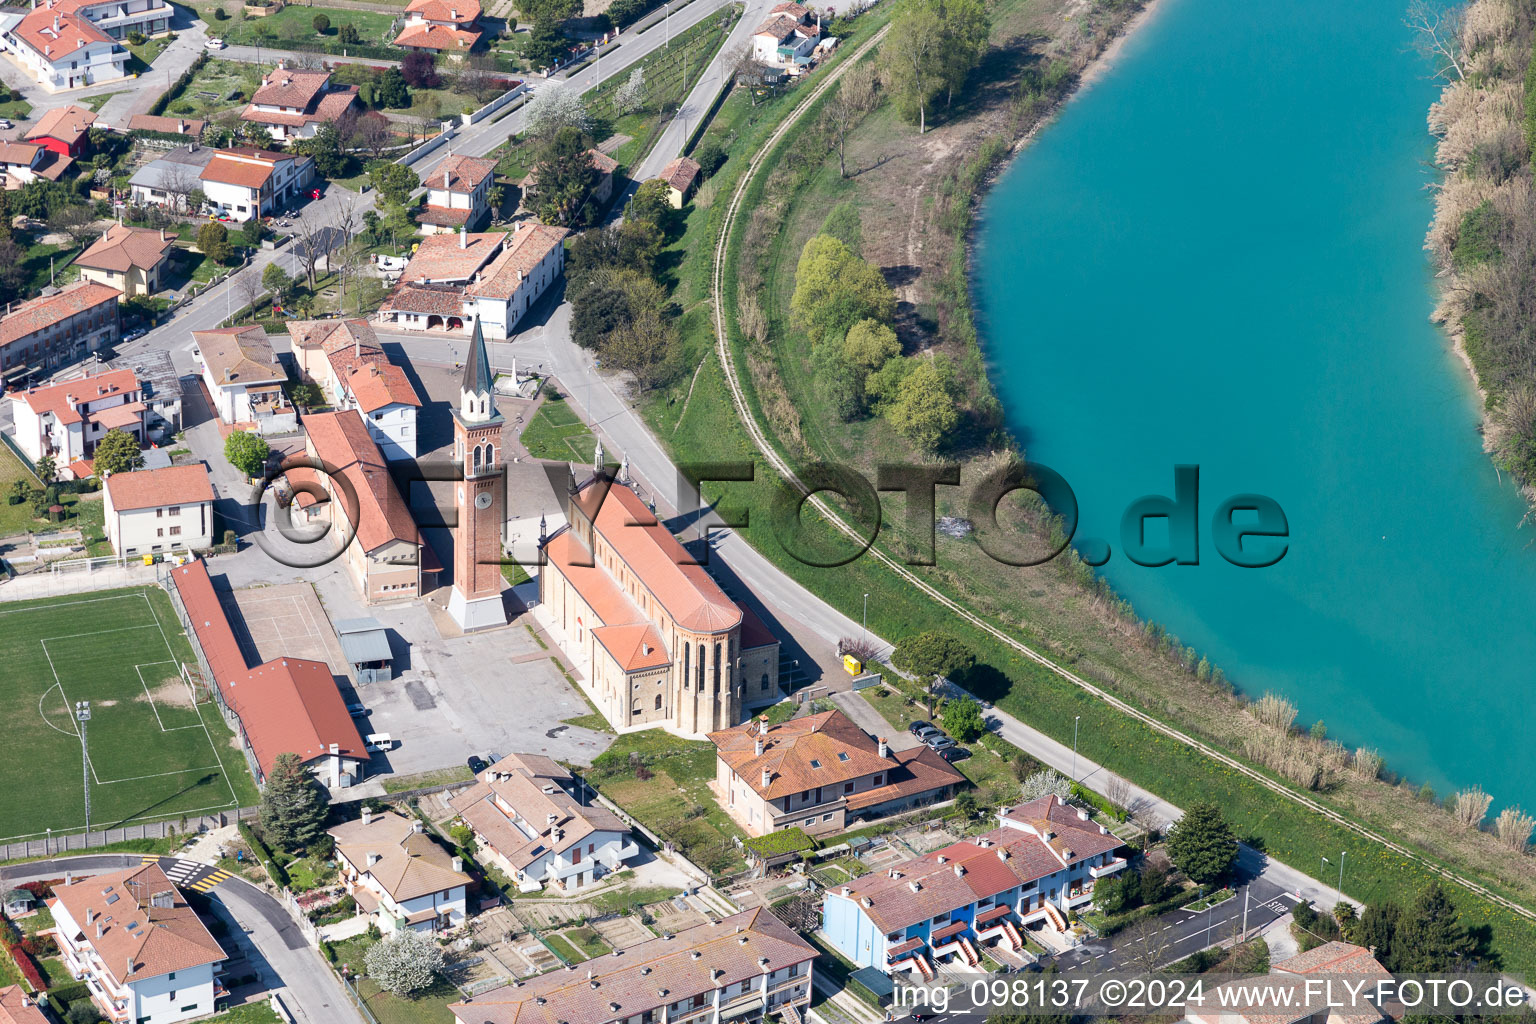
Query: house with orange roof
{"points": [[530, 821], [457, 192], [244, 378], [141, 949], [442, 26], [63, 49], [150, 511], [19, 1007], [117, 18], [22, 162], [657, 642], [42, 335], [292, 103], [682, 176], [356, 497], [430, 293], [64, 130], [399, 875], [132, 260], [1297, 989], [344, 357], [243, 182], [1037, 866], [821, 773], [531, 259], [64, 421]]}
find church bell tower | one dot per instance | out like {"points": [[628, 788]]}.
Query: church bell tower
{"points": [[480, 497]]}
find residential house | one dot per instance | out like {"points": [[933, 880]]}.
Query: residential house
{"points": [[140, 948], [190, 127], [344, 358], [602, 163], [1036, 867], [457, 190], [22, 162], [399, 875], [787, 38], [64, 421], [62, 49], [153, 511], [132, 260], [442, 26], [285, 706], [531, 259], [529, 821], [170, 179], [744, 968], [821, 773], [18, 1007], [659, 643], [383, 550], [244, 378], [430, 293], [1300, 989], [64, 131], [117, 18], [241, 183], [682, 177], [293, 103], [42, 335], [160, 390]]}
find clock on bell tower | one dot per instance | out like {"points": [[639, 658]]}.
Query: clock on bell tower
{"points": [[480, 497]]}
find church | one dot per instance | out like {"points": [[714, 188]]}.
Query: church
{"points": [[659, 643]]}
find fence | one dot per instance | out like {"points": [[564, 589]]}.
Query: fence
{"points": [[430, 146], [87, 564], [25, 459], [55, 845], [496, 104]]}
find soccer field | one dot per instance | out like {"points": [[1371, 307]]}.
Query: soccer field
{"points": [[155, 752]]}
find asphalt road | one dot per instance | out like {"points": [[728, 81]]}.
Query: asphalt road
{"points": [[278, 951]]}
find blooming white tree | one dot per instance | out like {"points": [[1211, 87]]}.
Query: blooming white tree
{"points": [[1044, 783], [404, 963], [552, 109], [630, 96]]}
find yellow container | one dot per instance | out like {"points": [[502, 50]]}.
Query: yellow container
{"points": [[149, 559], [852, 665]]}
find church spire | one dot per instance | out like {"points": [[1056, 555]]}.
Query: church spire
{"points": [[477, 392]]}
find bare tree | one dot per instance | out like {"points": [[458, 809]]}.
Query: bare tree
{"points": [[248, 286], [1438, 36], [854, 98], [372, 134], [179, 182], [1146, 945], [77, 222], [309, 239]]}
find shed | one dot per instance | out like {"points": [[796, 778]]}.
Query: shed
{"points": [[876, 982], [366, 646], [16, 902]]}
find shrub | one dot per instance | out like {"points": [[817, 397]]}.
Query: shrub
{"points": [[137, 38], [220, 14], [322, 24], [709, 157], [28, 967]]}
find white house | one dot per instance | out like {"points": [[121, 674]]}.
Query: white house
{"points": [[430, 293], [532, 259], [344, 358], [293, 104], [159, 510], [399, 874], [241, 183], [244, 378], [63, 49], [787, 38], [117, 18], [443, 26], [528, 822], [457, 193], [169, 179], [66, 420], [22, 162], [140, 948]]}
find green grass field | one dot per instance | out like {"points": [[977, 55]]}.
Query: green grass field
{"points": [[556, 432], [154, 754]]}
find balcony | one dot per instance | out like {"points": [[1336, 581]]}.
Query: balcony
{"points": [[1118, 864]]}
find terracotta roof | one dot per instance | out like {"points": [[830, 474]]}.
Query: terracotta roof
{"points": [[438, 37], [53, 166], [67, 124], [138, 940], [151, 488], [291, 87], [1332, 958], [604, 163], [20, 154], [634, 646], [410, 863], [918, 770], [292, 706], [209, 622], [376, 385], [681, 174], [62, 399], [941, 881], [341, 440], [168, 125], [779, 26], [604, 596], [73, 32], [331, 335], [246, 167], [460, 11], [444, 216], [121, 247], [238, 355], [328, 107], [526, 248], [818, 750], [118, 416], [16, 1007], [512, 802], [794, 10], [460, 173], [38, 314], [445, 299], [648, 976], [687, 592], [754, 633], [346, 358], [439, 259]]}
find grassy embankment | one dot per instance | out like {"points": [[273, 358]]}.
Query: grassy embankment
{"points": [[1058, 610]]}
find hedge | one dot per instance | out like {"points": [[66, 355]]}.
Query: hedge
{"points": [[177, 87], [29, 968], [774, 844], [264, 853], [1120, 922]]}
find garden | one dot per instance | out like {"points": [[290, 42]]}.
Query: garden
{"points": [[294, 27], [555, 432]]}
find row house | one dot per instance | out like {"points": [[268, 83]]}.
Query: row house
{"points": [[242, 182], [399, 875], [1036, 867], [529, 823], [64, 421], [42, 335], [345, 359]]}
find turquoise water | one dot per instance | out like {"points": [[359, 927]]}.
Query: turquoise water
{"points": [[1215, 257]]}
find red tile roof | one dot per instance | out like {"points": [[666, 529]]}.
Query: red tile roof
{"points": [[18, 154], [291, 87], [168, 125], [119, 416], [378, 384], [531, 789], [38, 314], [681, 174], [840, 750], [138, 939], [779, 26], [460, 11], [121, 247], [16, 1007], [438, 37], [244, 166], [460, 174], [73, 31], [634, 646], [67, 124], [439, 258], [1332, 958], [525, 249], [340, 439], [444, 216], [443, 299], [238, 355], [410, 864], [151, 488], [327, 108], [62, 399]]}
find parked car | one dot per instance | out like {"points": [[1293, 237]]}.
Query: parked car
{"points": [[357, 710], [214, 44], [476, 763], [5, 122], [379, 742], [918, 726], [939, 742], [952, 754], [492, 758], [930, 733]]}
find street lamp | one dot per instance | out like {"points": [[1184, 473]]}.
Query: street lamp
{"points": [[1341, 871], [1075, 720], [866, 620], [83, 716]]}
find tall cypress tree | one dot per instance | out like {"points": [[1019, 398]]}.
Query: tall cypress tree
{"points": [[293, 806], [1431, 937]]}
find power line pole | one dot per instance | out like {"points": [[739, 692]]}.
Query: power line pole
{"points": [[83, 716]]}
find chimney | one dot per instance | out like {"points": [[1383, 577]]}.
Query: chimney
{"points": [[914, 886], [847, 891], [767, 777], [943, 859], [959, 870], [445, 178], [367, 815], [90, 915], [417, 827], [373, 859], [69, 878], [99, 929], [1002, 853], [458, 865], [885, 748], [695, 954], [551, 818], [162, 234], [867, 902], [463, 237], [758, 746]]}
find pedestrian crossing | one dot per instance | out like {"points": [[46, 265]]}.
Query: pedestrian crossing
{"points": [[190, 874]]}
